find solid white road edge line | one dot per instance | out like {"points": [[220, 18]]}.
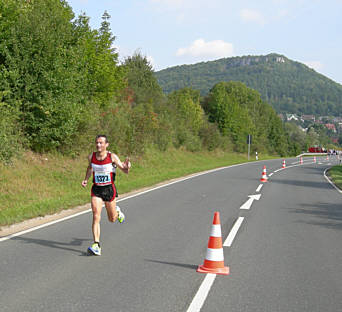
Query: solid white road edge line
{"points": [[229, 240], [122, 199], [42, 226], [259, 188], [202, 293], [331, 181]]}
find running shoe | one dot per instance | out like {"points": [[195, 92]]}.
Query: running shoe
{"points": [[121, 216], [95, 249]]}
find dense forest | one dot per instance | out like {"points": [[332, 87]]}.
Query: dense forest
{"points": [[61, 83], [287, 85]]}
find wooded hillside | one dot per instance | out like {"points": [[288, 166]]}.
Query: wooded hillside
{"points": [[287, 85]]}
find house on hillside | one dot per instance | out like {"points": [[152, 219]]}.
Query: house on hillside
{"points": [[337, 119], [290, 117], [309, 117], [325, 118], [331, 127]]}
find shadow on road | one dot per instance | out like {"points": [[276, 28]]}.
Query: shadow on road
{"points": [[54, 244], [311, 184], [330, 214], [182, 265]]}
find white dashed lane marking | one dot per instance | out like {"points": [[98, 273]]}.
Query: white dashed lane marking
{"points": [[230, 238], [259, 188]]}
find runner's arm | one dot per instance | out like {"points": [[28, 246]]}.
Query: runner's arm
{"points": [[88, 172], [124, 166]]}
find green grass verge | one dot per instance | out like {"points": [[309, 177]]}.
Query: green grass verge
{"points": [[38, 185], [335, 173]]}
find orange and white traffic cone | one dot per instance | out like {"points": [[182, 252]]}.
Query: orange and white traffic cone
{"points": [[214, 260], [264, 175], [327, 157], [284, 165], [301, 160], [315, 159]]}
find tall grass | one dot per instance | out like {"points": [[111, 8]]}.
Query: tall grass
{"points": [[335, 173]]}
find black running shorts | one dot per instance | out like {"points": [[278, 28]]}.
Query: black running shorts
{"points": [[106, 192]]}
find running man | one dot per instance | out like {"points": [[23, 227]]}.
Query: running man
{"points": [[102, 164]]}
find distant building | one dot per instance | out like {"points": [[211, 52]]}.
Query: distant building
{"points": [[309, 117], [290, 117], [337, 119], [327, 118], [331, 127]]}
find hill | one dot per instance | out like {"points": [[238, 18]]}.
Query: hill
{"points": [[289, 86]]}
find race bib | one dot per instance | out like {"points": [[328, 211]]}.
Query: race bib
{"points": [[102, 178]]}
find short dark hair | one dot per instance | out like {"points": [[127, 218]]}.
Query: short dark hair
{"points": [[101, 136]]}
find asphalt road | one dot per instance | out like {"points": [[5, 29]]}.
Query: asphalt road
{"points": [[286, 255]]}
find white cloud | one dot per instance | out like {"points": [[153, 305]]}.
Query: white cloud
{"points": [[151, 61], [316, 65], [248, 15], [210, 49]]}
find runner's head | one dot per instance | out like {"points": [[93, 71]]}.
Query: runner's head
{"points": [[101, 142]]}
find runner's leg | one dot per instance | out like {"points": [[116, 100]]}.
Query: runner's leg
{"points": [[96, 206], [111, 210]]}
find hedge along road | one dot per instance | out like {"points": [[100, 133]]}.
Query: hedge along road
{"points": [[284, 255]]}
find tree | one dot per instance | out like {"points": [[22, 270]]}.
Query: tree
{"points": [[142, 84], [226, 107], [105, 76], [56, 69], [188, 109]]}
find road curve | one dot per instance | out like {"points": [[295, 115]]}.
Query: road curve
{"points": [[285, 256]]}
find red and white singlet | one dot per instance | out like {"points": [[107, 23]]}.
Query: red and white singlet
{"points": [[103, 170]]}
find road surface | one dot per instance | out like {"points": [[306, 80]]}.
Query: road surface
{"points": [[285, 255]]}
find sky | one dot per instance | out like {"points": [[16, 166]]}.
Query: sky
{"points": [[176, 32]]}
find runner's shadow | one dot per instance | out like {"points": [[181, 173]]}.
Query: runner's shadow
{"points": [[182, 265], [54, 244]]}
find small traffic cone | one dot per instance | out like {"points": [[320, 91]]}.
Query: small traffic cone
{"points": [[301, 160], [214, 260], [264, 176], [327, 157], [315, 159], [284, 165]]}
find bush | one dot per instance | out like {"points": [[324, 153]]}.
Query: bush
{"points": [[210, 136], [10, 138], [193, 143]]}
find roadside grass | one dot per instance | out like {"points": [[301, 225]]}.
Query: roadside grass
{"points": [[335, 173], [38, 185]]}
